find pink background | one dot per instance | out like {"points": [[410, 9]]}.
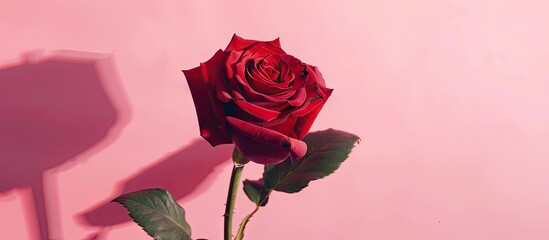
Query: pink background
{"points": [[449, 97]]}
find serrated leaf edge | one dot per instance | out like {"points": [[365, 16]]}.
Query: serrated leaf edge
{"points": [[122, 198]]}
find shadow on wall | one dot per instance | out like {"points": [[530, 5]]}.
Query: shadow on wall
{"points": [[180, 173], [53, 109]]}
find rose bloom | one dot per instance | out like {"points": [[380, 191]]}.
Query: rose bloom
{"points": [[258, 97]]}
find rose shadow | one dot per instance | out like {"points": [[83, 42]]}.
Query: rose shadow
{"points": [[54, 110], [182, 173]]}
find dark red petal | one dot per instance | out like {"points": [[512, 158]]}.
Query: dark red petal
{"points": [[237, 96], [232, 59], [319, 78], [273, 58], [222, 89], [261, 94], [311, 103], [237, 43], [211, 68], [214, 72], [288, 78], [251, 93], [284, 125], [254, 89], [298, 98], [277, 106], [257, 111], [276, 42], [263, 50], [263, 146], [224, 96], [265, 47], [290, 60], [210, 127], [304, 123], [264, 85], [266, 73], [257, 76], [298, 148]]}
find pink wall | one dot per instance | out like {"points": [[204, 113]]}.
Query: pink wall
{"points": [[449, 97]]}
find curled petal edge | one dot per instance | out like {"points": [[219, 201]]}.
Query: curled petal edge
{"points": [[262, 145]]}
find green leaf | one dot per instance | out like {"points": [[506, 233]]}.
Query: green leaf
{"points": [[157, 213], [326, 150], [256, 191]]}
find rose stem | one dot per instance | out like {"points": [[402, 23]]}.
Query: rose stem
{"points": [[231, 197], [240, 233]]}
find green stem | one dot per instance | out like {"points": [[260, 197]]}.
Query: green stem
{"points": [[240, 233], [231, 196]]}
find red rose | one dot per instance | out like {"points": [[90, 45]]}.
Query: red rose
{"points": [[258, 97]]}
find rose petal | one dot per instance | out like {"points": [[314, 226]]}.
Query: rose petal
{"points": [[285, 125], [304, 123], [208, 118], [277, 106], [298, 98], [257, 111], [276, 42], [298, 148], [238, 43], [311, 103], [258, 96], [315, 82], [264, 146], [262, 89], [237, 96], [319, 78], [262, 48], [281, 94], [257, 76], [263, 51], [233, 58]]}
